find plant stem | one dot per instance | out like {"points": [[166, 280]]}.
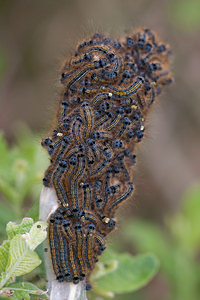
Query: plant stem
{"points": [[58, 290]]}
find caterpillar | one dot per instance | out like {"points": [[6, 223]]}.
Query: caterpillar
{"points": [[109, 87]]}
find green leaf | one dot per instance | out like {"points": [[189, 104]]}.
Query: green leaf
{"points": [[190, 211], [104, 269], [185, 225], [13, 229], [22, 290], [22, 169], [16, 255], [21, 259], [4, 254], [131, 273], [36, 235], [146, 236]]}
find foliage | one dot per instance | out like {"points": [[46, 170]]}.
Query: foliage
{"points": [[21, 172], [17, 257], [177, 246], [123, 273]]}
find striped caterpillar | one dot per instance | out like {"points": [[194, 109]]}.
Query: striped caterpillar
{"points": [[108, 89]]}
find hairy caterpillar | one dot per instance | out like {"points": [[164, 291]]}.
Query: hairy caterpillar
{"points": [[108, 89]]}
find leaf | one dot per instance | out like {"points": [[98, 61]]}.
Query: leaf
{"points": [[23, 290], [131, 273], [185, 225], [4, 254], [13, 229], [190, 211], [16, 254], [36, 235], [22, 168], [21, 259], [104, 269], [146, 236]]}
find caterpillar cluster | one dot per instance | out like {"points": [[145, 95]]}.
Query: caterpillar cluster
{"points": [[108, 89]]}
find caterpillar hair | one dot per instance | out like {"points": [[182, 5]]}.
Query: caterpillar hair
{"points": [[109, 87]]}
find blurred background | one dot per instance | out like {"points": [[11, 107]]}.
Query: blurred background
{"points": [[36, 36]]}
